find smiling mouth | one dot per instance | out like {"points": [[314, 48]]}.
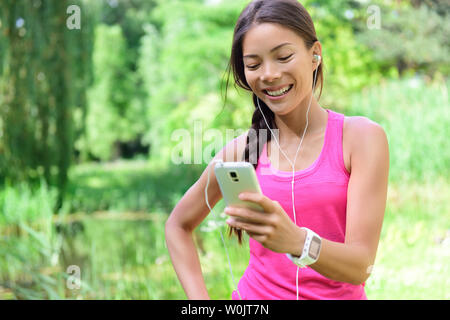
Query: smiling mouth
{"points": [[278, 93]]}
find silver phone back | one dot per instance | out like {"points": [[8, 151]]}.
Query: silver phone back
{"points": [[231, 185]]}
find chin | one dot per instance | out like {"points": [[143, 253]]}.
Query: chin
{"points": [[282, 110]]}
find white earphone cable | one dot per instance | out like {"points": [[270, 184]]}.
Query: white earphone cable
{"points": [[292, 182], [293, 164]]}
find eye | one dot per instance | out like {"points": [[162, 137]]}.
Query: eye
{"points": [[253, 67], [285, 58]]}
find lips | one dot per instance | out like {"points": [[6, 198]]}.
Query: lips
{"points": [[276, 88], [278, 93]]}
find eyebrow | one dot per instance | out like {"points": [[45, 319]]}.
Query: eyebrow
{"points": [[272, 50]]}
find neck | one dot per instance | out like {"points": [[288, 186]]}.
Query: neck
{"points": [[292, 125]]}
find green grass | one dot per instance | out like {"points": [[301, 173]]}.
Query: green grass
{"points": [[413, 260], [115, 232]]}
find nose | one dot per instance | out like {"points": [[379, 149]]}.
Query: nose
{"points": [[270, 73]]}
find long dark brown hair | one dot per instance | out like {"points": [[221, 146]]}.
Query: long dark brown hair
{"points": [[287, 13]]}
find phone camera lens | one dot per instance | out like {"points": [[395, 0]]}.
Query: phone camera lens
{"points": [[233, 176]]}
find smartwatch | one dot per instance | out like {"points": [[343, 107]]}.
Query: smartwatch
{"points": [[311, 250]]}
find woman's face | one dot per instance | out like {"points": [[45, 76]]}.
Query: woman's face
{"points": [[275, 60]]}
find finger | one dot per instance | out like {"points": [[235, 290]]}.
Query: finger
{"points": [[261, 238], [257, 229], [248, 215], [266, 203], [253, 234]]}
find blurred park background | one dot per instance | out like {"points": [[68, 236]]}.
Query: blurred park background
{"points": [[91, 95]]}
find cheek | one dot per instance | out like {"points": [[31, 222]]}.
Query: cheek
{"points": [[251, 80], [300, 78]]}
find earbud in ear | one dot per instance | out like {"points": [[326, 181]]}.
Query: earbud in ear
{"points": [[317, 58]]}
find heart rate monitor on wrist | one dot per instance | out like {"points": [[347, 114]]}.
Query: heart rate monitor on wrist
{"points": [[311, 250]]}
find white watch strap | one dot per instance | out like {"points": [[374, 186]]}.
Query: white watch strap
{"points": [[305, 260]]}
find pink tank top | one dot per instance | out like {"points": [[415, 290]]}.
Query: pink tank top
{"points": [[320, 205]]}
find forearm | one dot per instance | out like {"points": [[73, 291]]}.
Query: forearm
{"points": [[339, 261], [342, 262], [186, 262]]}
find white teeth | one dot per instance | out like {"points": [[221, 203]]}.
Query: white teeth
{"points": [[278, 92]]}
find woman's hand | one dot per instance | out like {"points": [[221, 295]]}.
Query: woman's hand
{"points": [[273, 228]]}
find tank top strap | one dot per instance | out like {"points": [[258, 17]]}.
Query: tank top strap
{"points": [[334, 152]]}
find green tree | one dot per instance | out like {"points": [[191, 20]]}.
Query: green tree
{"points": [[114, 113], [40, 77], [117, 107], [413, 39], [181, 62]]}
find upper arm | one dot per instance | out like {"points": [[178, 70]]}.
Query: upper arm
{"points": [[192, 209], [367, 187]]}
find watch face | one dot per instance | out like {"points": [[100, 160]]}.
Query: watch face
{"points": [[314, 248]]}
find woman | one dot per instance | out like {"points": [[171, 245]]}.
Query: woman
{"points": [[339, 179]]}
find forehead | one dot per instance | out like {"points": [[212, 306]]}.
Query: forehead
{"points": [[261, 38]]}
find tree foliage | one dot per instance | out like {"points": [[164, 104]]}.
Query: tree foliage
{"points": [[41, 85], [413, 39], [113, 114]]}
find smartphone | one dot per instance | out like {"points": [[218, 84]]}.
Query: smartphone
{"points": [[235, 178]]}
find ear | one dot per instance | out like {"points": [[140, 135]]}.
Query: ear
{"points": [[317, 54]]}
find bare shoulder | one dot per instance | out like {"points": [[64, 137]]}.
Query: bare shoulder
{"points": [[359, 127], [364, 137]]}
